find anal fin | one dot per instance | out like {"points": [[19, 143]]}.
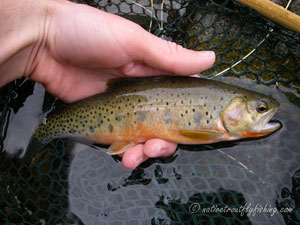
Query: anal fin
{"points": [[119, 147]]}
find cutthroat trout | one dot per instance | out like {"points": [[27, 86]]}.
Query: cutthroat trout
{"points": [[178, 109]]}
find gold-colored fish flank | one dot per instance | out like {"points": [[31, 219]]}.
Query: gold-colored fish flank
{"points": [[178, 109]]}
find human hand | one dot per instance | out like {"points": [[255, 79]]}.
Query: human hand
{"points": [[80, 48]]}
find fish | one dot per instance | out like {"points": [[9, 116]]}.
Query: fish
{"points": [[178, 109]]}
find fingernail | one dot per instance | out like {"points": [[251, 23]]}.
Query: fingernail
{"points": [[207, 54]]}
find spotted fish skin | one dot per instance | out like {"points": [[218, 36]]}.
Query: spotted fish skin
{"points": [[178, 109]]}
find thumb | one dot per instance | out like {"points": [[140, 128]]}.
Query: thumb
{"points": [[172, 58]]}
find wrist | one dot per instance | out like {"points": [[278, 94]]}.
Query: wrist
{"points": [[23, 31]]}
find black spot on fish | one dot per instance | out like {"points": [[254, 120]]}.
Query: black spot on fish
{"points": [[181, 101], [72, 131], [210, 117], [206, 113], [141, 116], [118, 118], [91, 128], [214, 107], [186, 111], [204, 104], [207, 121], [189, 123], [193, 110], [167, 103], [110, 127], [181, 115]]}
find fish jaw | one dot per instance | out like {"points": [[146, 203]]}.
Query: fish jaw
{"points": [[264, 126]]}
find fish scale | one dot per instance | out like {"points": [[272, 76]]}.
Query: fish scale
{"points": [[178, 109]]}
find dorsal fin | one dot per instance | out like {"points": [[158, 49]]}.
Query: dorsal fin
{"points": [[112, 82], [115, 83]]}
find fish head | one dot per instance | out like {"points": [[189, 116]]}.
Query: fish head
{"points": [[249, 116]]}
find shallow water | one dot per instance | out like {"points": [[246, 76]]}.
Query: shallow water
{"points": [[191, 187]]}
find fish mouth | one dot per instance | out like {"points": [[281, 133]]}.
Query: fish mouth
{"points": [[266, 125]]}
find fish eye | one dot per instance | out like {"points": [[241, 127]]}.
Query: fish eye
{"points": [[261, 106]]}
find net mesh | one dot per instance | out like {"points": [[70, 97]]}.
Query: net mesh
{"points": [[246, 45]]}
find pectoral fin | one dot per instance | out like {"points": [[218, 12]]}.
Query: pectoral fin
{"points": [[200, 135], [119, 147]]}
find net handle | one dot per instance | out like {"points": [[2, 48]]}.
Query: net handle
{"points": [[275, 13]]}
